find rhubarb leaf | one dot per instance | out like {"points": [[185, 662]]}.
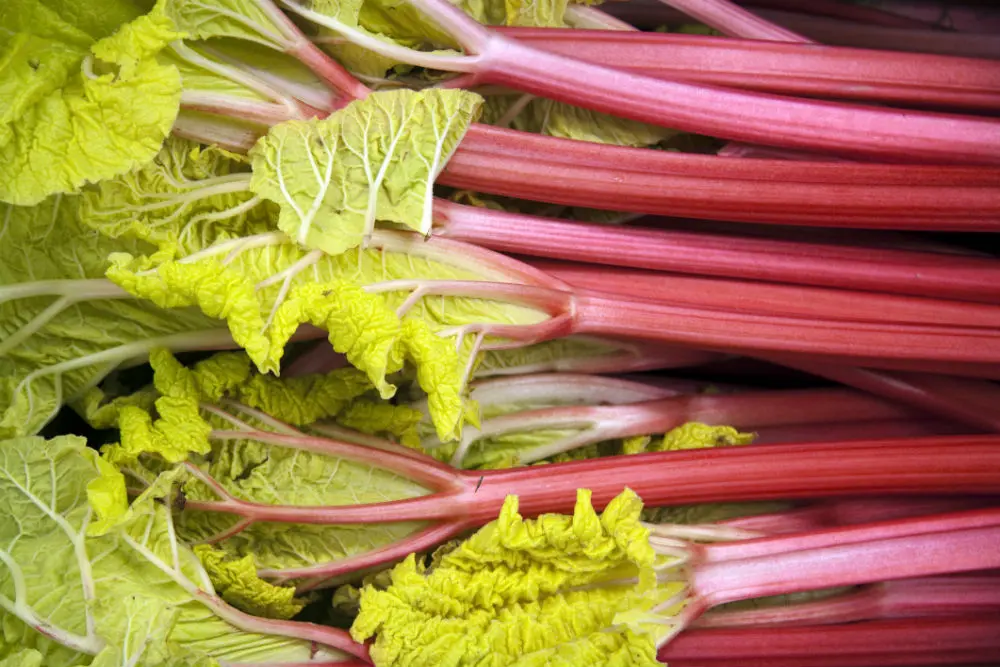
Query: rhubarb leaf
{"points": [[695, 435], [79, 110], [579, 213], [132, 595], [186, 198], [710, 512], [377, 159], [535, 13], [205, 77], [384, 419], [525, 593], [571, 354], [255, 471], [63, 327], [102, 411], [558, 119], [250, 20], [236, 580], [27, 657], [265, 287]]}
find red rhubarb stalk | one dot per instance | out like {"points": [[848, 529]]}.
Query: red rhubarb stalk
{"points": [[784, 68], [966, 400], [850, 511], [890, 529], [725, 572], [575, 173], [650, 14], [608, 314], [848, 559], [770, 299], [463, 499], [459, 500], [518, 163], [934, 596], [743, 410], [843, 33], [745, 257], [839, 128], [870, 15], [975, 16], [924, 642], [856, 430]]}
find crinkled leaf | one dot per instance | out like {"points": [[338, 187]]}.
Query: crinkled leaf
{"points": [[398, 421], [62, 326], [83, 111], [241, 19], [137, 41], [304, 399], [108, 498], [124, 596], [258, 472], [557, 119], [377, 159], [186, 198], [524, 593], [174, 434], [695, 435], [28, 657], [102, 411], [710, 512], [279, 475], [270, 286], [573, 353], [69, 21], [179, 430], [236, 580]]}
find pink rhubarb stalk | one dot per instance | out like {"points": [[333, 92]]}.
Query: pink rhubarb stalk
{"points": [[733, 20], [649, 14], [864, 554], [769, 299], [839, 128], [576, 173], [934, 596], [742, 410], [966, 400], [842, 33], [924, 642], [845, 267], [869, 15], [857, 430], [922, 80], [602, 176], [460, 500], [851, 511]]}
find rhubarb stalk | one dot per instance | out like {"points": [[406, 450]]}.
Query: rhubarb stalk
{"points": [[785, 68], [459, 500], [839, 128], [733, 20], [845, 267], [924, 642]]}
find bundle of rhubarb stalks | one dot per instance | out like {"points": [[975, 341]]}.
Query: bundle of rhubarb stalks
{"points": [[469, 333]]}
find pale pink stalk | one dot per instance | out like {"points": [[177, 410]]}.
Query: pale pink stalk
{"points": [[733, 20]]}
